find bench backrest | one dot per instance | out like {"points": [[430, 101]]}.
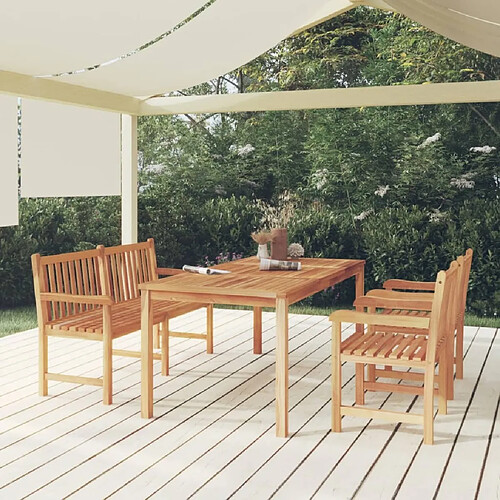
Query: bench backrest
{"points": [[74, 273], [114, 271], [126, 267]]}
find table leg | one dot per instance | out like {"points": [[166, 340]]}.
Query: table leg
{"points": [[281, 368], [257, 330], [360, 291], [146, 355]]}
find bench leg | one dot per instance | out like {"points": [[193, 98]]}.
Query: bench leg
{"points": [[107, 379], [164, 348], [43, 386], [107, 341], [210, 329]]}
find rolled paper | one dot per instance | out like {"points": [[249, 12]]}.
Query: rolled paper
{"points": [[279, 265], [203, 270]]}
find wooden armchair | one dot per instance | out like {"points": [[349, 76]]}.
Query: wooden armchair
{"points": [[385, 345], [393, 300]]}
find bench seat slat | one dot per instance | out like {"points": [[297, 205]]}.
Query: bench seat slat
{"points": [[126, 317]]}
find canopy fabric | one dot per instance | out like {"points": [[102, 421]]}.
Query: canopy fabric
{"points": [[9, 183], [57, 36], [222, 38], [474, 23], [69, 151], [54, 36]]}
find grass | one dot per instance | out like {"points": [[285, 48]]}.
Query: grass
{"points": [[20, 319]]}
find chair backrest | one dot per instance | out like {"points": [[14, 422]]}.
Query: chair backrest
{"points": [[74, 273], [465, 265], [126, 267], [444, 309]]}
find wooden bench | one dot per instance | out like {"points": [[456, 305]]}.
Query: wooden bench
{"points": [[95, 295]]}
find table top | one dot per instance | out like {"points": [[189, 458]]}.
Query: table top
{"points": [[311, 268], [246, 285]]}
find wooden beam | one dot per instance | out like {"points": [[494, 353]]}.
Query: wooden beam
{"points": [[356, 97], [41, 88]]}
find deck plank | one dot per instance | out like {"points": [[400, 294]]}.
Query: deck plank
{"points": [[429, 461], [403, 442], [213, 435], [176, 410]]}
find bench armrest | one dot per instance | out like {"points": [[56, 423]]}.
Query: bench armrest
{"points": [[409, 285], [168, 271], [347, 316], [104, 300]]}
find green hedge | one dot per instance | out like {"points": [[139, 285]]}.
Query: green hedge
{"points": [[396, 242]]}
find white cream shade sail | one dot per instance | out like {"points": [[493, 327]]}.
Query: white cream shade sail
{"points": [[474, 23], [41, 37], [8, 162], [47, 48], [230, 33], [69, 151], [212, 37], [223, 37]]}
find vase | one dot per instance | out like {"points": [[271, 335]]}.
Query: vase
{"points": [[262, 251], [279, 244]]}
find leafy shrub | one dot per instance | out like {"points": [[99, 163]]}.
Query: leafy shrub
{"points": [[50, 226]]}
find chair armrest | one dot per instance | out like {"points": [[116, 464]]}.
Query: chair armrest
{"points": [[104, 300], [387, 299], [347, 316], [409, 285], [392, 294], [168, 271]]}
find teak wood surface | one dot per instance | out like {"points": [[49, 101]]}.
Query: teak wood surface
{"points": [[245, 285], [94, 295]]}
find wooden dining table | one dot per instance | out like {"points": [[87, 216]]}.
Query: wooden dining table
{"points": [[245, 285]]}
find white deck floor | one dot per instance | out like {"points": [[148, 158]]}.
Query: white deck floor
{"points": [[213, 436]]}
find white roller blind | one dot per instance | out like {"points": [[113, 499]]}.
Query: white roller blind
{"points": [[69, 151], [8, 162]]}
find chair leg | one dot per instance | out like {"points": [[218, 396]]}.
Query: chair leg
{"points": [[336, 379], [210, 329], [443, 385], [429, 405], [107, 379], [43, 356], [156, 336], [360, 383], [460, 351], [165, 365], [450, 347], [370, 373]]}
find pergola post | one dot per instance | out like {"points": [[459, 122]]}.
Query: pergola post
{"points": [[129, 179]]}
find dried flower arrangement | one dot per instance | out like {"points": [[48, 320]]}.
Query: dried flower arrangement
{"points": [[279, 215], [262, 237]]}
